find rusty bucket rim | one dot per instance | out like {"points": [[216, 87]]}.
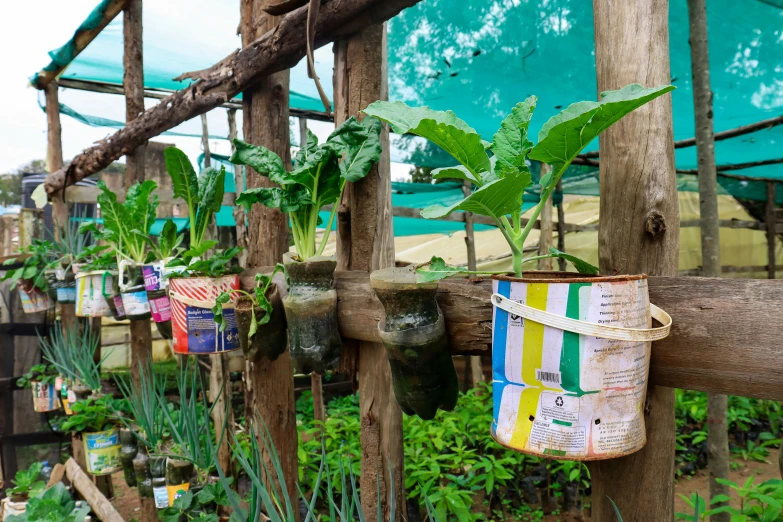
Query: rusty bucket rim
{"points": [[558, 277]]}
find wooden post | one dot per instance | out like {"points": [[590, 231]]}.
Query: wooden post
{"points": [[561, 263], [717, 404], [476, 371], [360, 79], [545, 239], [205, 141], [239, 183], [223, 413], [638, 232], [99, 503], [269, 386], [133, 83], [769, 219]]}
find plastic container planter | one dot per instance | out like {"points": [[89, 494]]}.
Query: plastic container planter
{"points": [[193, 323], [156, 285], [128, 452], [110, 288], [141, 468], [270, 339], [44, 397], [570, 360], [311, 313], [90, 290], [33, 299], [134, 295], [414, 334], [66, 286], [159, 491], [179, 474], [102, 451]]}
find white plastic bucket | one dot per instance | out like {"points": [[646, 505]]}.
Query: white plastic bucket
{"points": [[570, 360], [90, 287]]}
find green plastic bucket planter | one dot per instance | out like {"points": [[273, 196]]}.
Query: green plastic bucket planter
{"points": [[102, 451]]}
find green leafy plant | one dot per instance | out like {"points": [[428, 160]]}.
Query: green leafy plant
{"points": [[146, 403], [52, 505], [199, 506], [46, 374], [167, 245], [126, 226], [501, 180], [71, 350], [317, 180], [757, 451], [757, 502], [203, 194], [91, 415], [26, 483], [258, 298], [190, 429], [36, 259]]}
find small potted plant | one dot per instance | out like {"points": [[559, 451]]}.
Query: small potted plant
{"points": [[126, 227], [52, 504], [32, 278], [551, 382], [260, 318], [200, 278], [27, 484], [95, 426], [70, 249], [94, 272], [41, 380], [318, 179]]}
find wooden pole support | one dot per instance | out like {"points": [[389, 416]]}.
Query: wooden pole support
{"points": [[89, 491], [638, 232]]}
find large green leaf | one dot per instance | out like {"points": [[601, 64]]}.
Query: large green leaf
{"points": [[211, 188], [497, 198], [444, 129], [262, 160], [320, 174], [511, 144], [307, 148], [184, 180], [361, 144], [436, 270], [274, 197], [141, 204], [582, 266], [566, 134]]}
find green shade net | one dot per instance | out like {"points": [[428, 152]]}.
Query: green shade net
{"points": [[479, 58]]}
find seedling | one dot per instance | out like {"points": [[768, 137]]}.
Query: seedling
{"points": [[258, 299]]}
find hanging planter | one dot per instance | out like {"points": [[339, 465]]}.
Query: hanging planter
{"points": [[44, 396], [414, 334], [311, 314], [110, 289], [583, 346], [141, 468], [102, 451], [193, 322], [128, 452], [158, 472], [134, 295], [65, 286], [90, 286], [156, 285], [179, 474], [33, 299]]}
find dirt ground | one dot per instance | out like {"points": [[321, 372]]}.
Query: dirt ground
{"points": [[127, 501]]}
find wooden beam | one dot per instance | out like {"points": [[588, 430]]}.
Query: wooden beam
{"points": [[638, 232], [769, 221], [707, 350], [159, 94], [269, 385], [728, 269], [362, 77], [89, 491], [271, 52], [205, 141], [81, 39]]}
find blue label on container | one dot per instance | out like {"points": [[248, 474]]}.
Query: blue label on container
{"points": [[204, 335], [102, 440], [66, 295]]}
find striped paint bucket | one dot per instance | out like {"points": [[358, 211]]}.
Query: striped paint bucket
{"points": [[570, 361], [194, 327]]}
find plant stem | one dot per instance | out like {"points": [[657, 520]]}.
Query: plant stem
{"points": [[544, 197], [328, 229]]}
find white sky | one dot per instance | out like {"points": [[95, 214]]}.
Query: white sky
{"points": [[29, 31]]}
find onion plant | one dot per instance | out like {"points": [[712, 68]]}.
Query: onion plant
{"points": [[146, 402], [71, 350], [191, 428]]}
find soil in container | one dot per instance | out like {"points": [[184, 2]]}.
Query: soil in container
{"points": [[130, 448], [311, 313], [414, 334], [270, 339]]}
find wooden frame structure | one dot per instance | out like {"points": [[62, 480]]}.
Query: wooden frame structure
{"points": [[713, 319]]}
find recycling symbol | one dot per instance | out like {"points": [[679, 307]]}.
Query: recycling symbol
{"points": [[559, 401]]}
